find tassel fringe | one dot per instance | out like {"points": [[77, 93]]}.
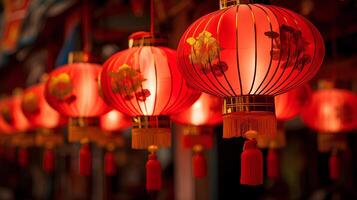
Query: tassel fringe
{"points": [[236, 124], [142, 138]]}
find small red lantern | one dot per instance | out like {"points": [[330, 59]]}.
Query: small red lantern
{"points": [[115, 121], [331, 111], [198, 135], [247, 54], [73, 91], [37, 110], [290, 104], [287, 106], [145, 83], [12, 115], [112, 123]]}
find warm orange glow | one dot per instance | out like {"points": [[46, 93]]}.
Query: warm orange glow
{"points": [[331, 111], [37, 110], [290, 104], [73, 91], [12, 115], [115, 121], [144, 80], [206, 110]]}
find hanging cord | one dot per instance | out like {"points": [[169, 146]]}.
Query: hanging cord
{"points": [[152, 16], [86, 26]]}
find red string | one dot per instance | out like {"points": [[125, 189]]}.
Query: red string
{"points": [[85, 26], [152, 15]]}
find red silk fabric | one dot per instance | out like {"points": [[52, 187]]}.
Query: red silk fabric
{"points": [[331, 111], [206, 111], [73, 90], [145, 81], [37, 110], [250, 49]]}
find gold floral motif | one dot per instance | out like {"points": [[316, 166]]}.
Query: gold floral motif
{"points": [[205, 52], [30, 102], [128, 83], [60, 87]]}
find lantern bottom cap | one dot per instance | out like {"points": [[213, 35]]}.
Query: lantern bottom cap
{"points": [[235, 124], [142, 138]]}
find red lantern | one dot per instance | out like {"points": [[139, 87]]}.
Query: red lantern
{"points": [[331, 111], [206, 111], [115, 121], [12, 115], [37, 110], [247, 54], [73, 91], [145, 83], [290, 104]]}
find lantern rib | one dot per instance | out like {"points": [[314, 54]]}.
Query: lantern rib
{"points": [[271, 49], [225, 92], [288, 78], [237, 54], [286, 64], [209, 62], [309, 71], [278, 64], [194, 83], [114, 62], [194, 66], [156, 86], [171, 89], [255, 48], [129, 55], [219, 55], [141, 86]]}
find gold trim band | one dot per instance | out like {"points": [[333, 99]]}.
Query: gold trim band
{"points": [[151, 122], [78, 56], [83, 121], [227, 3], [149, 39], [248, 103]]}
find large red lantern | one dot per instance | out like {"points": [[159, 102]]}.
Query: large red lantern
{"points": [[247, 54], [144, 82], [37, 110], [331, 111], [198, 133], [73, 91]]}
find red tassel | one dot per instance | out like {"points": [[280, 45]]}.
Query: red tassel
{"points": [[85, 161], [109, 165], [153, 173], [23, 157], [273, 167], [199, 165], [48, 162], [334, 163], [251, 164]]}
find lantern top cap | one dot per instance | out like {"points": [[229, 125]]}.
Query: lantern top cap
{"points": [[227, 3], [143, 38], [78, 56]]}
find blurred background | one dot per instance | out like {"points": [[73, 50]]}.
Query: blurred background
{"points": [[36, 37]]}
